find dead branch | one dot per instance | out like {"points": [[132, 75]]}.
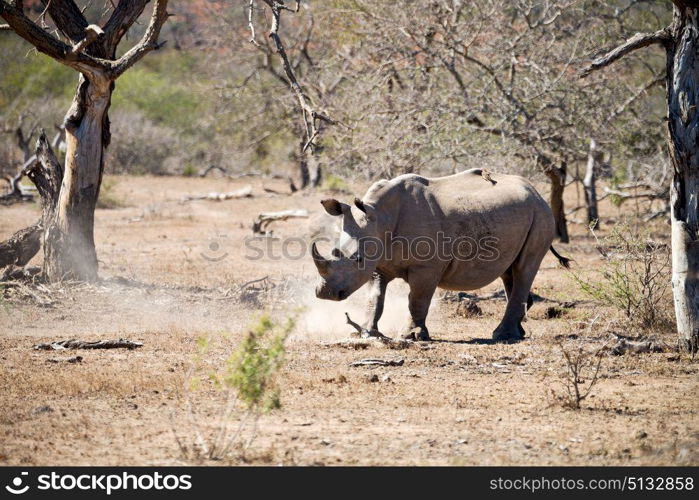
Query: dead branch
{"points": [[638, 41], [379, 362], [211, 168], [16, 193], [19, 249], [47, 174], [148, 43], [624, 346], [259, 226], [19, 274], [651, 195], [244, 192], [47, 43], [361, 331], [81, 344]]}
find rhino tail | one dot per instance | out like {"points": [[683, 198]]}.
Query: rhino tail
{"points": [[565, 262]]}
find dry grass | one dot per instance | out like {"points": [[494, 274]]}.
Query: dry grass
{"points": [[460, 401]]}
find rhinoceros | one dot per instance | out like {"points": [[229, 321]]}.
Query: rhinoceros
{"points": [[459, 232]]}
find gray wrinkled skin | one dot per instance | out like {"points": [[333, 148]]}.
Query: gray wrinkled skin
{"points": [[508, 212]]}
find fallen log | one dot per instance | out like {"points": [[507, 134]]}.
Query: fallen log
{"points": [[624, 346], [19, 274], [244, 192], [378, 362], [82, 344], [259, 226]]}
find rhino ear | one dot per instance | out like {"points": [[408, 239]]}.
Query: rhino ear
{"points": [[332, 206], [367, 209]]}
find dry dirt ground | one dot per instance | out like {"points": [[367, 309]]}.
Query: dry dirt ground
{"points": [[175, 272]]}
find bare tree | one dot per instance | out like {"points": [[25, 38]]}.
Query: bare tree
{"points": [[313, 119], [91, 50], [452, 83], [681, 43]]}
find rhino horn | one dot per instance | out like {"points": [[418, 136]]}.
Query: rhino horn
{"points": [[320, 261]]}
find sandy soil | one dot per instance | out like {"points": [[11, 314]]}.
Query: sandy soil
{"points": [[174, 272]]}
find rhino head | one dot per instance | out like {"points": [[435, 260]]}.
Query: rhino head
{"points": [[354, 258]]}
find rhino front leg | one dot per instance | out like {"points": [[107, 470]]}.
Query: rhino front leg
{"points": [[422, 284], [377, 295]]}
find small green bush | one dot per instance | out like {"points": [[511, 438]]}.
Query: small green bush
{"points": [[248, 381], [250, 371], [634, 277], [189, 170]]}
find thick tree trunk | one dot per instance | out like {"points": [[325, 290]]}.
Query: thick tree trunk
{"points": [[594, 158], [69, 251], [69, 247], [557, 176], [683, 123]]}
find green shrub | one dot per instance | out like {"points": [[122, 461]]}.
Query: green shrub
{"points": [[251, 370], [189, 170], [634, 277], [248, 381]]}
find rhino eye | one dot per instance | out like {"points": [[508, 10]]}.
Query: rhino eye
{"points": [[336, 253]]}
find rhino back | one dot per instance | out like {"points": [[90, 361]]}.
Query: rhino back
{"points": [[501, 208]]}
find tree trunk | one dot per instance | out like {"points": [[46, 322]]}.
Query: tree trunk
{"points": [[594, 158], [557, 176], [46, 173], [309, 167], [69, 245], [314, 168], [683, 123]]}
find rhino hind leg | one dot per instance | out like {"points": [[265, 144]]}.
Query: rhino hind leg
{"points": [[507, 280], [518, 281]]}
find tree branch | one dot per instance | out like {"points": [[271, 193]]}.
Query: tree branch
{"points": [[148, 43], [638, 41], [48, 44], [68, 18], [92, 33], [642, 90], [125, 14]]}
